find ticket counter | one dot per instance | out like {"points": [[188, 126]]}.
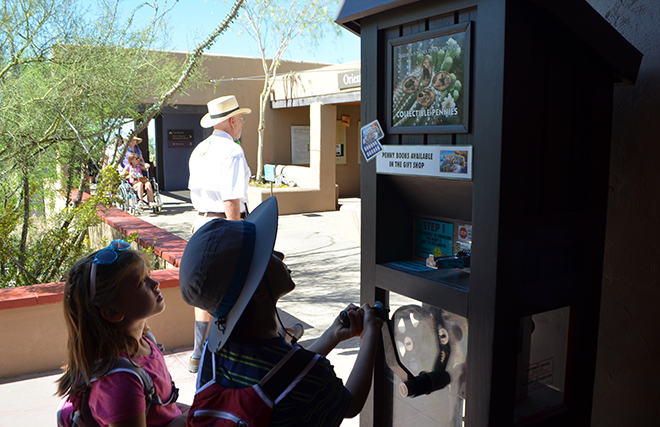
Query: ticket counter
{"points": [[486, 146]]}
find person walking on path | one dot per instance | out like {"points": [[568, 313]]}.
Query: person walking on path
{"points": [[218, 183]]}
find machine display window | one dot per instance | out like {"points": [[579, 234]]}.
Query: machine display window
{"points": [[541, 379], [441, 252], [428, 342]]}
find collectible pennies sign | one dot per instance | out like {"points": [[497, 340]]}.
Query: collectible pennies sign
{"points": [[430, 76]]}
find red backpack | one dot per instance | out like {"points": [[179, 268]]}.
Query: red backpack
{"points": [[218, 406]]}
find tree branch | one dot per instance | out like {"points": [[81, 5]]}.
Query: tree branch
{"points": [[190, 67]]}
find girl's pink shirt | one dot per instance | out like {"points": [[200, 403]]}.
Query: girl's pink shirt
{"points": [[133, 171], [120, 395]]}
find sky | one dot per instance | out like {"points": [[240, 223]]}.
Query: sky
{"points": [[192, 20]]}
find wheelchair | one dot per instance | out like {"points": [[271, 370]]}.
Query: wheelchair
{"points": [[129, 198]]}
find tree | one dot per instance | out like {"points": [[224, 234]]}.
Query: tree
{"points": [[68, 82], [273, 25], [191, 65]]}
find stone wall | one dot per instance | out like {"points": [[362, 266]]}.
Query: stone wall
{"points": [[628, 368]]}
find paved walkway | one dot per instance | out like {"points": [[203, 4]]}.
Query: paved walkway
{"points": [[325, 269]]}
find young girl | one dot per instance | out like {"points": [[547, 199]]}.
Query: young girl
{"points": [[108, 297], [133, 171]]}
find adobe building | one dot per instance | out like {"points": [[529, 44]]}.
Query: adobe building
{"points": [[323, 157], [305, 137], [178, 130]]}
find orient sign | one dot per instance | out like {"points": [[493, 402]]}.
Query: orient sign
{"points": [[349, 79]]}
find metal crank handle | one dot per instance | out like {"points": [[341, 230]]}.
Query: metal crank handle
{"points": [[379, 308]]}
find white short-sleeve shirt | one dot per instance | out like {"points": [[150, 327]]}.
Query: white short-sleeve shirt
{"points": [[218, 172]]}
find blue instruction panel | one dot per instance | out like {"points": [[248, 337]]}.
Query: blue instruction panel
{"points": [[433, 237]]}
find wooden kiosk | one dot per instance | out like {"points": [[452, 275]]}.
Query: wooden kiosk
{"points": [[494, 118]]}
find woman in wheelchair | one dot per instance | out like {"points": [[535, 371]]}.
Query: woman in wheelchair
{"points": [[138, 181]]}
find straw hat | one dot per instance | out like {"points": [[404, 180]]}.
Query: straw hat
{"points": [[223, 264], [220, 109]]}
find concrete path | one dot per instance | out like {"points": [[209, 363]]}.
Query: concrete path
{"points": [[326, 270]]}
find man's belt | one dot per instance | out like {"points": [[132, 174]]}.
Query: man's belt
{"points": [[218, 214], [213, 214]]}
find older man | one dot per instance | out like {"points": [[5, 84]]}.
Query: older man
{"points": [[219, 177]]}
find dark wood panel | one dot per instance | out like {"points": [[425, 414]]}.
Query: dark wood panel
{"points": [[432, 196], [421, 289], [415, 12], [486, 320], [371, 415]]}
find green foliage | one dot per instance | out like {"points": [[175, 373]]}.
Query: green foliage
{"points": [[58, 239], [69, 79], [265, 184], [273, 25]]}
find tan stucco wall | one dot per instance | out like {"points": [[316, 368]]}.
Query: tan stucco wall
{"points": [[628, 365], [348, 175], [319, 82], [247, 85], [278, 132], [34, 337], [279, 152], [316, 189]]}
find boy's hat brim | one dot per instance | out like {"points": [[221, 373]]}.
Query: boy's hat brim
{"points": [[205, 259]]}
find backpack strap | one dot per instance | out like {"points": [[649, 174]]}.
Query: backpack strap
{"points": [[287, 374], [83, 416], [125, 365], [152, 338]]}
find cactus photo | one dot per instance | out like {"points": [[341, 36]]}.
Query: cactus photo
{"points": [[429, 81]]}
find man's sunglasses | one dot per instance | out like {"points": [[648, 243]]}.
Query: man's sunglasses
{"points": [[106, 257]]}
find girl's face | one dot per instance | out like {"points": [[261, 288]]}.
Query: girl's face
{"points": [[279, 276], [140, 296], [134, 162]]}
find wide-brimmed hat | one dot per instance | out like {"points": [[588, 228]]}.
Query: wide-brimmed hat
{"points": [[223, 264], [137, 138], [221, 109]]}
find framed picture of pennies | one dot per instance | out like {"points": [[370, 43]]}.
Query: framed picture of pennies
{"points": [[430, 81]]}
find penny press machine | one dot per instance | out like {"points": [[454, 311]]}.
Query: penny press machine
{"points": [[485, 137]]}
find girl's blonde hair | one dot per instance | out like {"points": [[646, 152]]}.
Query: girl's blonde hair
{"points": [[94, 343]]}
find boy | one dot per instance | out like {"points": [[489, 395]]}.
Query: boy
{"points": [[229, 269]]}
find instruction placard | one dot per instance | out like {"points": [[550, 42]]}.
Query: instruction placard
{"points": [[433, 237], [540, 374]]}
